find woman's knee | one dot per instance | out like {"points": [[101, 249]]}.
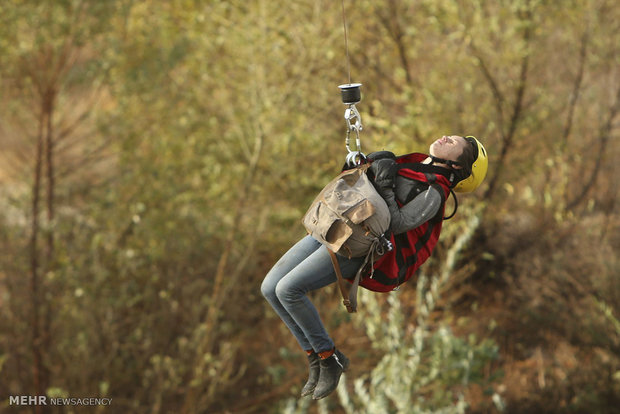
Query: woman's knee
{"points": [[268, 288], [287, 292]]}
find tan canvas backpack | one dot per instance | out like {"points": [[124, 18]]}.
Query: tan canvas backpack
{"points": [[350, 218]]}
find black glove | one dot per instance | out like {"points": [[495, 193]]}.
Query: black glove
{"points": [[383, 171], [379, 155]]}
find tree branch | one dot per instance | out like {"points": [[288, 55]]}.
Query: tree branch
{"points": [[497, 93], [515, 118], [605, 132], [394, 29], [576, 89]]}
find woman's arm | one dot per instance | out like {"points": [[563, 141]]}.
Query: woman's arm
{"points": [[413, 214], [417, 211]]}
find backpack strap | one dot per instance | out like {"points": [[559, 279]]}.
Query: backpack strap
{"points": [[380, 246], [431, 172], [432, 182], [346, 290]]}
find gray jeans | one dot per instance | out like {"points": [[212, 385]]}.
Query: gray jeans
{"points": [[305, 267]]}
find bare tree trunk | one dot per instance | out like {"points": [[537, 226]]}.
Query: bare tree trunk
{"points": [[41, 312], [37, 365], [46, 338], [49, 160]]}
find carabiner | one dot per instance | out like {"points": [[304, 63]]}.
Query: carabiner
{"points": [[351, 95]]}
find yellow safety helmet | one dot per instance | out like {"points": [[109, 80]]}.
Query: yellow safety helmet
{"points": [[478, 168]]}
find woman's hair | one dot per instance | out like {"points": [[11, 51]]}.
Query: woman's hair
{"points": [[466, 159]]}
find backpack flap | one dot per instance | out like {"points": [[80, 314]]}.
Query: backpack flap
{"points": [[325, 226], [348, 214]]}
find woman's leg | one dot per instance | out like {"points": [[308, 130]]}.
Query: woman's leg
{"points": [[305, 267], [315, 272], [295, 255]]}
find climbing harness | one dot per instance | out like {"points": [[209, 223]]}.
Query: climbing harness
{"points": [[351, 95]]}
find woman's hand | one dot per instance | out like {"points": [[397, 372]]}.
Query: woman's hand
{"points": [[384, 171]]}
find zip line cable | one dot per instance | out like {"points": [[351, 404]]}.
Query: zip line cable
{"points": [[351, 95], [346, 40]]}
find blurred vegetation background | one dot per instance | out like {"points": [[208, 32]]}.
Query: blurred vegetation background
{"points": [[156, 158]]}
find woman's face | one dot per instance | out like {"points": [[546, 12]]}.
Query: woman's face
{"points": [[448, 147]]}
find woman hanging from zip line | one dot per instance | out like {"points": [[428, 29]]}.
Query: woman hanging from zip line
{"points": [[414, 187]]}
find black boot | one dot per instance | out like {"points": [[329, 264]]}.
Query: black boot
{"points": [[313, 377], [331, 369]]}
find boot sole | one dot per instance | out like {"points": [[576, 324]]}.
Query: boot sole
{"points": [[309, 392]]}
